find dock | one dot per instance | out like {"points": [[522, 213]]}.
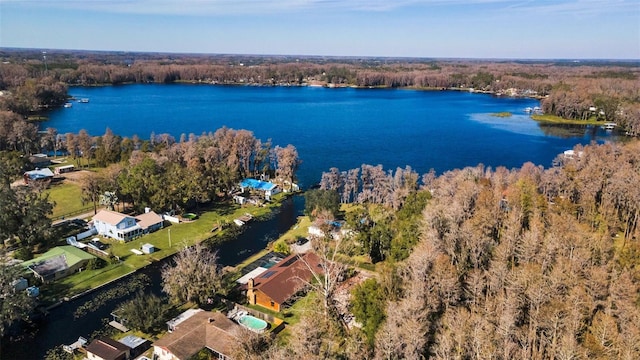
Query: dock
{"points": [[79, 344], [118, 326]]}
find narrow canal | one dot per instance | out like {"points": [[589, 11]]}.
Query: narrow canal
{"points": [[60, 326]]}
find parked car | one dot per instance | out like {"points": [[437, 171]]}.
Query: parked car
{"points": [[301, 241], [99, 244]]}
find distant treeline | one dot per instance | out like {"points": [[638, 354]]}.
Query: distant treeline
{"points": [[605, 90]]}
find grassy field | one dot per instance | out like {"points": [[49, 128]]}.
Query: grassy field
{"points": [[299, 230], [167, 241], [68, 199], [558, 120]]}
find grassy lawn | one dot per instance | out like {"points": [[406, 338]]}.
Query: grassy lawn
{"points": [[292, 315], [558, 120], [299, 230], [182, 235], [67, 197]]}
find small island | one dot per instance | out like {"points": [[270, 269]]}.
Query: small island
{"points": [[504, 114]]}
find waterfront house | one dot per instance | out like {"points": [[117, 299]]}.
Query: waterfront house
{"points": [[58, 262], [276, 287], [105, 348], [116, 225], [201, 329], [336, 230], [268, 189], [124, 227], [150, 221]]}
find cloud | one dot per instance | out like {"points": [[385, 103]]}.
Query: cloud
{"points": [[256, 7], [575, 7]]}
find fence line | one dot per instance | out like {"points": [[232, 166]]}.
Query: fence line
{"points": [[72, 213]]}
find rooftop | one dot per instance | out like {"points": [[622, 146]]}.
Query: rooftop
{"points": [[288, 277], [203, 329], [71, 254], [107, 348], [110, 217], [148, 219]]}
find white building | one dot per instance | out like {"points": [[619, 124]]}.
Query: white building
{"points": [[116, 225], [124, 227]]}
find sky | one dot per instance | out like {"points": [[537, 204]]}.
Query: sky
{"points": [[485, 29]]}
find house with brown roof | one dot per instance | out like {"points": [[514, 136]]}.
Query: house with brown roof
{"points": [[277, 286], [212, 330], [105, 348], [124, 227]]}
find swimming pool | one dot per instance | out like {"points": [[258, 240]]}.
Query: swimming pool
{"points": [[253, 323], [257, 184]]}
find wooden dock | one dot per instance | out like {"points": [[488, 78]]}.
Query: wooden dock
{"points": [[118, 326], [78, 345]]}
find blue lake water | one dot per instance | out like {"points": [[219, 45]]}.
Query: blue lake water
{"points": [[344, 128]]}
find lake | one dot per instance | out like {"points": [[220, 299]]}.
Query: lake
{"points": [[330, 127], [342, 127]]}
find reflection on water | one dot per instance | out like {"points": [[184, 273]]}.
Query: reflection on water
{"points": [[522, 124], [589, 132]]}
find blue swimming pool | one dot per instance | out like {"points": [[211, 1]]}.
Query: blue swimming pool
{"points": [[253, 323], [257, 184]]}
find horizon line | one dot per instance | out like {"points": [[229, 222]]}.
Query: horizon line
{"points": [[576, 59]]}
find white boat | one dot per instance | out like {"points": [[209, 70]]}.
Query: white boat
{"points": [[68, 105], [84, 100], [528, 110], [609, 126], [238, 222]]}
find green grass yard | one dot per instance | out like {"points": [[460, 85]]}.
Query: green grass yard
{"points": [[182, 235], [558, 120], [68, 199]]}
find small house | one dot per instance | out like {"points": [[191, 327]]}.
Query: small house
{"points": [[277, 286], [268, 189], [137, 344], [150, 221], [40, 160], [105, 348], [38, 175], [58, 262], [202, 329]]}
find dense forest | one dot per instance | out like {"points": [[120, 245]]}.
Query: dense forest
{"points": [[32, 81], [528, 263]]}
